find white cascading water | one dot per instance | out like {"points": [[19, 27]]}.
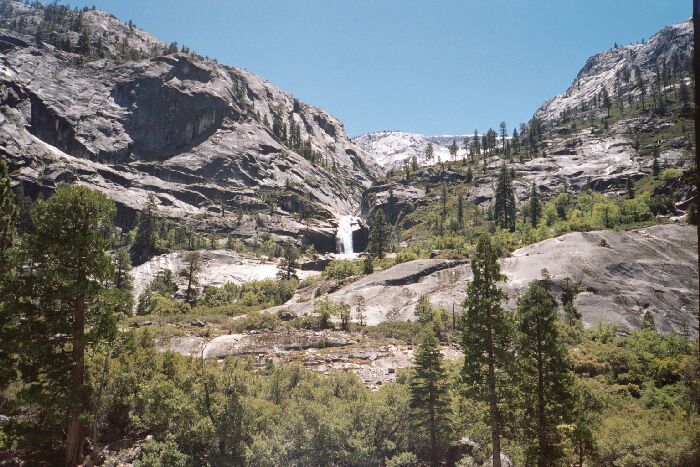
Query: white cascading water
{"points": [[344, 235]]}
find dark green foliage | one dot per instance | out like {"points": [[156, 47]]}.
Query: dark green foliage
{"points": [[378, 235], [192, 265], [544, 379], [504, 204], [289, 263], [367, 265], [487, 335], [535, 206], [8, 214], [145, 245], [429, 396], [69, 310], [655, 167]]}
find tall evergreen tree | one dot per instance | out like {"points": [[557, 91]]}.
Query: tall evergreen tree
{"points": [[453, 150], [544, 378], [146, 232], [378, 235], [69, 310], [429, 152], [192, 266], [535, 206], [122, 266], [504, 205], [476, 145], [8, 214], [429, 394], [289, 263], [504, 133], [487, 338]]}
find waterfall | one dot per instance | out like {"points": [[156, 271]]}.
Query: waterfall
{"points": [[344, 235]]}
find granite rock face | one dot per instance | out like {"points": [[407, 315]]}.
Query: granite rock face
{"points": [[622, 276], [671, 46], [196, 134]]}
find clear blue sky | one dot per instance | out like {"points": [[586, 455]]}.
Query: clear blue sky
{"points": [[425, 66]]}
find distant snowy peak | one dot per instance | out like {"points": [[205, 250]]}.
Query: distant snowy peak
{"points": [[393, 149], [670, 47]]}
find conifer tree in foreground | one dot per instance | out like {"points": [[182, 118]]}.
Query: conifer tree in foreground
{"points": [[69, 309], [487, 335], [544, 379], [429, 394], [7, 238], [8, 214]]}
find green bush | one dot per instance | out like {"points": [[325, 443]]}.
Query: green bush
{"points": [[340, 269], [670, 174], [256, 320]]}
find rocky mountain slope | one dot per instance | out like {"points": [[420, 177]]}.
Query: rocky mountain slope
{"points": [[578, 141], [622, 275], [624, 70], [394, 149], [221, 149]]}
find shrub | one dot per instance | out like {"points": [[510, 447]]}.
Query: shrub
{"points": [[256, 320], [340, 269], [670, 174]]}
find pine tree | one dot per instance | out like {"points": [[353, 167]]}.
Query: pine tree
{"points": [[192, 266], [487, 336], [69, 310], [429, 394], [84, 43], [122, 266], [414, 163], [476, 146], [504, 133], [544, 380], [504, 206], [535, 207], [378, 235], [146, 232], [289, 263], [453, 150], [429, 152], [8, 216]]}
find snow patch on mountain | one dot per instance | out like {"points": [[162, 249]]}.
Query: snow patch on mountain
{"points": [[394, 149]]}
